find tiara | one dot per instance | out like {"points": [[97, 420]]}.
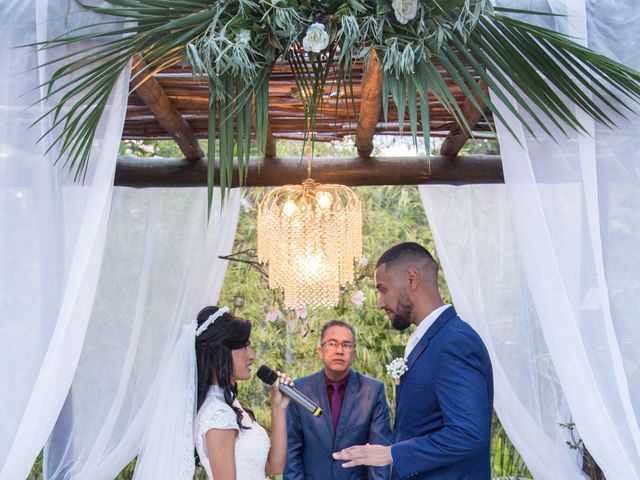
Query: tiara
{"points": [[212, 318]]}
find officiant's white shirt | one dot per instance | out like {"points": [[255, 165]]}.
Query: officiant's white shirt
{"points": [[422, 328]]}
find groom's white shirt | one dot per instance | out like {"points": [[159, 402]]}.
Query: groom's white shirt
{"points": [[422, 328]]}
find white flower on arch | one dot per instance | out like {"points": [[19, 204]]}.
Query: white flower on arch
{"points": [[405, 10], [316, 39]]}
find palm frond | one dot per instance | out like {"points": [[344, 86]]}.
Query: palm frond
{"points": [[540, 75]]}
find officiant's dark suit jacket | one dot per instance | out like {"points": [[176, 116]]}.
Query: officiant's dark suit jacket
{"points": [[364, 418], [444, 402]]}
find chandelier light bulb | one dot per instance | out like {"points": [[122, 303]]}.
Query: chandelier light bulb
{"points": [[289, 208], [310, 235], [324, 200], [311, 265]]}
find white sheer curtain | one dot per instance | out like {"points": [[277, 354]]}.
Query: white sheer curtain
{"points": [[52, 233], [479, 254], [575, 210], [160, 268]]}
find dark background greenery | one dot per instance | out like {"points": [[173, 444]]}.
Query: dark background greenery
{"points": [[390, 215]]}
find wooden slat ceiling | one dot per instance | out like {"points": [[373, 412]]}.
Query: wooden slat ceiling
{"points": [[336, 120]]}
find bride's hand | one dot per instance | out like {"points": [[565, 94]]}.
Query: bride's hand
{"points": [[278, 400]]}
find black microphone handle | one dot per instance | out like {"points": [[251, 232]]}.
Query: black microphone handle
{"points": [[300, 399]]}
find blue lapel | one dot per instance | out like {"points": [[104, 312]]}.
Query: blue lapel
{"points": [[443, 318]]}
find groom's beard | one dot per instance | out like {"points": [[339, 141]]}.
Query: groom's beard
{"points": [[402, 319]]}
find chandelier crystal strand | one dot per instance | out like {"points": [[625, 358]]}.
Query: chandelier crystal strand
{"points": [[310, 235]]}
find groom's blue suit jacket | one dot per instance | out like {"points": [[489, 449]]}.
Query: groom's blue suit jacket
{"points": [[364, 418], [444, 403]]}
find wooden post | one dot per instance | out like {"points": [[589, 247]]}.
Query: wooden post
{"points": [[459, 135], [270, 147], [370, 106], [154, 97]]}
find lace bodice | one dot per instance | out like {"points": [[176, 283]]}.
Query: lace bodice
{"points": [[252, 445]]}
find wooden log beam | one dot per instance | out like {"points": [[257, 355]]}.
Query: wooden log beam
{"points": [[270, 147], [459, 135], [179, 172], [370, 106], [154, 97]]}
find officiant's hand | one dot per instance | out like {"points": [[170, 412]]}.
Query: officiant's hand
{"points": [[278, 400], [372, 455]]}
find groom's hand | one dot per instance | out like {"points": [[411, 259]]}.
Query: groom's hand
{"points": [[372, 455]]}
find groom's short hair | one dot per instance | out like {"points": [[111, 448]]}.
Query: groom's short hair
{"points": [[409, 253]]}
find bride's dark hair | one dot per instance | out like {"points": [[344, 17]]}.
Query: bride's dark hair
{"points": [[213, 354]]}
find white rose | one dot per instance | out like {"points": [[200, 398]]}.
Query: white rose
{"points": [[405, 10], [316, 39]]}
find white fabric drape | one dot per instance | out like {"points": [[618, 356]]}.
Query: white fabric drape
{"points": [[161, 267], [52, 232], [576, 211], [575, 215], [167, 450], [478, 250]]}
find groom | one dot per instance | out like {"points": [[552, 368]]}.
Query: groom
{"points": [[444, 401]]}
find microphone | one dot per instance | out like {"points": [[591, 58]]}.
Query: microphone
{"points": [[268, 376]]}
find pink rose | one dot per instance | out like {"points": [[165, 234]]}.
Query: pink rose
{"points": [[273, 314], [357, 299]]}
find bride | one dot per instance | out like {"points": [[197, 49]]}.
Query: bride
{"points": [[194, 401], [230, 443]]}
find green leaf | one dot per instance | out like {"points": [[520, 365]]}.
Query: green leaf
{"points": [[533, 70], [211, 148]]}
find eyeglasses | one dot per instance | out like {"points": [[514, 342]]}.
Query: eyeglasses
{"points": [[333, 345]]}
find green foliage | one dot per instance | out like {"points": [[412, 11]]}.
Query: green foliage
{"points": [[150, 148], [589, 465], [480, 147], [36, 469], [505, 459], [235, 44]]}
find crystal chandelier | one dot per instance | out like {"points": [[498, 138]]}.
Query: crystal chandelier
{"points": [[310, 234]]}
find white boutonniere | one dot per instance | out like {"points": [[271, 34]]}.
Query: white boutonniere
{"points": [[396, 368]]}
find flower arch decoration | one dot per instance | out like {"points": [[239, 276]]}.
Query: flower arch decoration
{"points": [[234, 45]]}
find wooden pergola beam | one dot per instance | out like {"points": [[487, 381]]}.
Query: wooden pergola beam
{"points": [[370, 106], [459, 135], [270, 146], [180, 172], [154, 97]]}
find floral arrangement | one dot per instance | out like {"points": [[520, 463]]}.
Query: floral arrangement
{"points": [[397, 368], [234, 44]]}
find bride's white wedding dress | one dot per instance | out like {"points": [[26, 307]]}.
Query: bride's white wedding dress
{"points": [[252, 444]]}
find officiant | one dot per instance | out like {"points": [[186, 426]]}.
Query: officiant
{"points": [[355, 412]]}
